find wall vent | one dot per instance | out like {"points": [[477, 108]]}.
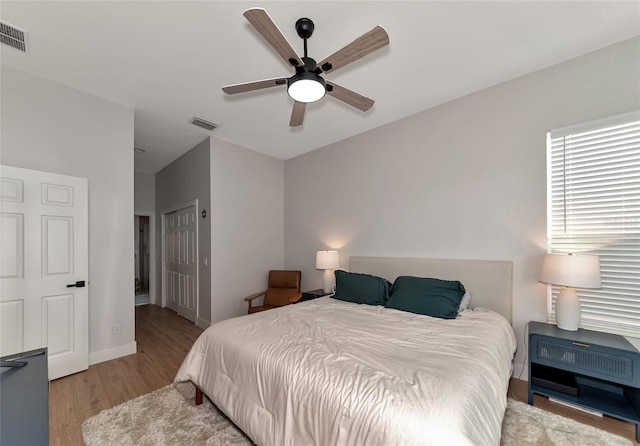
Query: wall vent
{"points": [[203, 123], [14, 37]]}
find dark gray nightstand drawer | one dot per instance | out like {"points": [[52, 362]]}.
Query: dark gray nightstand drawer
{"points": [[585, 358]]}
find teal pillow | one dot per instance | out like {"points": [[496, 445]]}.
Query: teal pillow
{"points": [[431, 297], [361, 288]]}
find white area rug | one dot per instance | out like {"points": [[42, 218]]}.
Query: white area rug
{"points": [[162, 418], [526, 425], [165, 417]]}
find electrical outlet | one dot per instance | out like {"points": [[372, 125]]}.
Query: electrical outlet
{"points": [[116, 329]]}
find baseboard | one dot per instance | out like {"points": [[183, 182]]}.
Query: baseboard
{"points": [[202, 323], [108, 354]]}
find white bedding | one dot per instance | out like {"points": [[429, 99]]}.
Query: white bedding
{"points": [[327, 372]]}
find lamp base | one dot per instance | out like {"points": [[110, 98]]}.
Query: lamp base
{"points": [[568, 309], [328, 280]]}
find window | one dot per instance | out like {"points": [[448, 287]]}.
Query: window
{"points": [[593, 174]]}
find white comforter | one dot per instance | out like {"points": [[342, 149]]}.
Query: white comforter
{"points": [[326, 372]]}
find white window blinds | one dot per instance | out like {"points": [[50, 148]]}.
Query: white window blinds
{"points": [[594, 208]]}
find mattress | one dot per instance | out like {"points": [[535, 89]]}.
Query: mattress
{"points": [[328, 372]]}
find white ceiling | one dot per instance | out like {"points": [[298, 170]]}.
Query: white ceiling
{"points": [[168, 60]]}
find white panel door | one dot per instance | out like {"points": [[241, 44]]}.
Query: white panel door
{"points": [[171, 246], [181, 262], [44, 249]]}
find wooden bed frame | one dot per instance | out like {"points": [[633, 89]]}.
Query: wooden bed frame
{"points": [[490, 282]]}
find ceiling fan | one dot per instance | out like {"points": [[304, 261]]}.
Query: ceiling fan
{"points": [[306, 85]]}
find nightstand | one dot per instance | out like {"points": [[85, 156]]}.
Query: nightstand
{"points": [[595, 370], [313, 294]]}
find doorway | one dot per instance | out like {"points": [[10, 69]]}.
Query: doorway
{"points": [[144, 257], [141, 259]]}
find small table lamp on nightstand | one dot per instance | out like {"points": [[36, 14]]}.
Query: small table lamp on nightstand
{"points": [[568, 271], [328, 261]]}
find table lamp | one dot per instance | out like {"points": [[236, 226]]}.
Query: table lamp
{"points": [[569, 271], [328, 261]]}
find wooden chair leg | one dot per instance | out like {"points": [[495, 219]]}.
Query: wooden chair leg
{"points": [[198, 396]]}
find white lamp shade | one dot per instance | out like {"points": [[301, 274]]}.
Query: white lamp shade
{"points": [[571, 270], [327, 260]]}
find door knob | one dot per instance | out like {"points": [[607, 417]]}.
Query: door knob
{"points": [[78, 284]]}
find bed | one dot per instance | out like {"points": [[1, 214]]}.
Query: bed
{"points": [[328, 372]]}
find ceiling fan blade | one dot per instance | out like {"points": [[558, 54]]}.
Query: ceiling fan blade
{"points": [[363, 45], [261, 21], [297, 114], [257, 85], [350, 97]]}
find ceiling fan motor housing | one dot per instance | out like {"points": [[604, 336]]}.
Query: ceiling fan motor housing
{"points": [[309, 71], [310, 65]]}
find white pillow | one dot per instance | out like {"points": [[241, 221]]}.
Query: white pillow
{"points": [[483, 310], [464, 303]]}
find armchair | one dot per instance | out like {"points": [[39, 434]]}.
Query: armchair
{"points": [[283, 288]]}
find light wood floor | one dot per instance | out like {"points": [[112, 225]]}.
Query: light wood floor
{"points": [[163, 338], [518, 391], [163, 341]]}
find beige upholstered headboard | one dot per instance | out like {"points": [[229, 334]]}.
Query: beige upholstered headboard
{"points": [[490, 282]]}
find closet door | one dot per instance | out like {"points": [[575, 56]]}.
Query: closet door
{"points": [[181, 262]]}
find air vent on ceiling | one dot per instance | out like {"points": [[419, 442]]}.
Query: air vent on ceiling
{"points": [[202, 123], [14, 37]]}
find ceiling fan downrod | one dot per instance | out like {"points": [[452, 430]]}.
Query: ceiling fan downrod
{"points": [[304, 28]]}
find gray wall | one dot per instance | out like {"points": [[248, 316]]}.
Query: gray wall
{"points": [[48, 126], [247, 201], [466, 179], [144, 187], [183, 181]]}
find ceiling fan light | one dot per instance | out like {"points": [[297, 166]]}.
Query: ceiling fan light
{"points": [[306, 87]]}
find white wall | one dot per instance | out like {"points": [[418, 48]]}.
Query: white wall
{"points": [[247, 218], [144, 187], [466, 179], [181, 182], [50, 127]]}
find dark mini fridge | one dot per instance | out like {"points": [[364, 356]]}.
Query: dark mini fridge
{"points": [[24, 399]]}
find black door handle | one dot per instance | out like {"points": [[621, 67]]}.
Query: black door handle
{"points": [[78, 284]]}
